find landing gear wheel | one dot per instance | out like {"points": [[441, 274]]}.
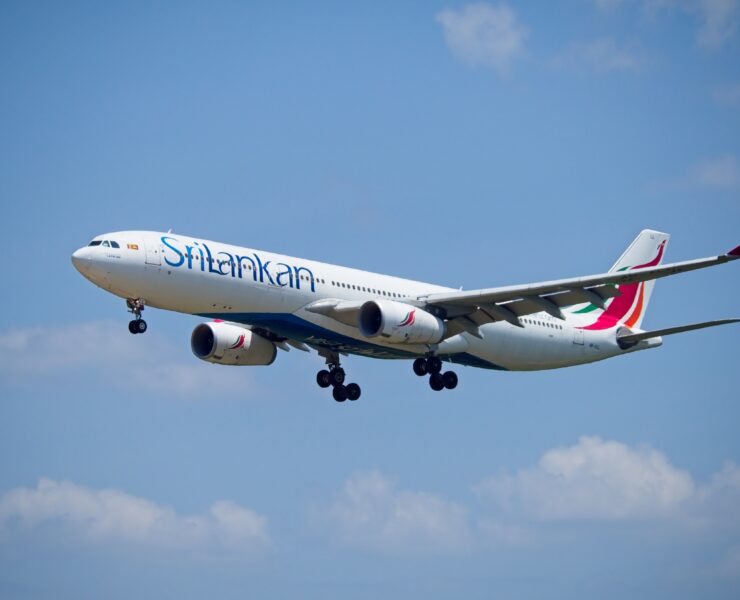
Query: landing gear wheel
{"points": [[420, 367], [436, 382], [449, 379], [136, 307], [337, 376], [323, 378], [340, 393], [353, 391], [434, 365]]}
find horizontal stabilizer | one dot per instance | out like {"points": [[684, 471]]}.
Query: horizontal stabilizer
{"points": [[626, 341]]}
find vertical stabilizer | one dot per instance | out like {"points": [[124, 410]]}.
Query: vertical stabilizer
{"points": [[628, 309]]}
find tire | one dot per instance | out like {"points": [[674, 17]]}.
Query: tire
{"points": [[450, 380], [420, 367], [340, 393], [323, 378], [353, 391], [337, 376], [140, 326], [434, 365], [132, 327], [436, 382]]}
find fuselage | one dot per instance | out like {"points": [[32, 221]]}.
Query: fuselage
{"points": [[272, 292]]}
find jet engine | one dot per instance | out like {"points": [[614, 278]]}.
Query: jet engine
{"points": [[227, 344], [399, 323]]}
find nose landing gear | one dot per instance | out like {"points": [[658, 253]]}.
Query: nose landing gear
{"points": [[136, 306], [335, 377], [432, 366]]}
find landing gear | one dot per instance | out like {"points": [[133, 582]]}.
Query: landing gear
{"points": [[137, 326], [335, 377], [450, 380], [323, 378], [436, 382], [432, 366], [420, 367], [340, 393], [135, 307], [353, 391]]}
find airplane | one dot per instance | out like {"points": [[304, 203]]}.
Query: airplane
{"points": [[258, 302]]}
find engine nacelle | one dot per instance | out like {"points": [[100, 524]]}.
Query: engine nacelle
{"points": [[399, 323], [226, 344]]}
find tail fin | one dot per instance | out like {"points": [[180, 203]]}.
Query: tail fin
{"points": [[647, 250]]}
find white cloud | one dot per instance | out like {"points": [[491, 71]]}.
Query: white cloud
{"points": [[114, 516], [598, 480], [720, 173], [594, 479], [484, 35], [106, 352], [600, 55], [718, 22], [370, 512]]}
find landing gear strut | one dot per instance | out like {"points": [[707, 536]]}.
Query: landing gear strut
{"points": [[335, 377], [135, 307], [432, 366]]}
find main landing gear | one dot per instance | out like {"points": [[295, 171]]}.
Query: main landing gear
{"points": [[432, 366], [335, 377], [135, 307]]}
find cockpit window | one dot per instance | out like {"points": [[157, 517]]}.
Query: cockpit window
{"points": [[106, 244], [95, 243], [114, 245]]}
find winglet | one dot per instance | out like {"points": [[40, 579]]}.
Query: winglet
{"points": [[734, 252]]}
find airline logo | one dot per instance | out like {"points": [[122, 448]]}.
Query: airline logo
{"points": [[631, 295], [199, 256], [132, 246], [239, 343], [408, 320]]}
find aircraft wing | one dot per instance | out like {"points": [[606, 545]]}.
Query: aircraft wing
{"points": [[469, 309]]}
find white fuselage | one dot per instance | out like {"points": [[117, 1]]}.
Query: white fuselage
{"points": [[270, 292]]}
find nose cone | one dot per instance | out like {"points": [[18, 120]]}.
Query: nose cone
{"points": [[82, 260]]}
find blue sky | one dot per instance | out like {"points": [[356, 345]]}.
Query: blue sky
{"points": [[467, 145]]}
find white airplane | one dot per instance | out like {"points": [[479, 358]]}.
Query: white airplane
{"points": [[259, 302]]}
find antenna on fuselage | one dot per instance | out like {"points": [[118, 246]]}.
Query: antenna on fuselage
{"points": [[169, 230]]}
